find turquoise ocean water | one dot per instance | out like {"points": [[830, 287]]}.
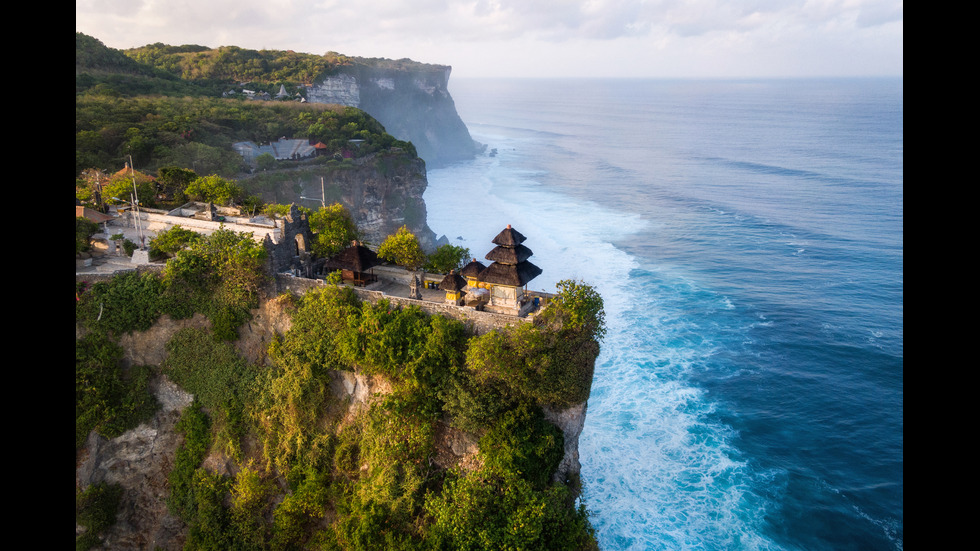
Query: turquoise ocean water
{"points": [[747, 238]]}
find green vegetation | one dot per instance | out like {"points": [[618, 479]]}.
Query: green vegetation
{"points": [[218, 275], [314, 470], [403, 248], [365, 478], [195, 427], [263, 69], [447, 258], [84, 230], [219, 380], [171, 241], [333, 229], [129, 302], [122, 187], [108, 399], [214, 189], [95, 510], [550, 362], [172, 181], [197, 133], [162, 106]]}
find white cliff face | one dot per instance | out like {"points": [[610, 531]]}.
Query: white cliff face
{"points": [[340, 89], [412, 104], [384, 83]]}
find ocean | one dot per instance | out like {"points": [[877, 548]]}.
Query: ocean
{"points": [[747, 239]]}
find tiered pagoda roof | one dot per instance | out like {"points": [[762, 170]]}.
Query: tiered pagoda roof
{"points": [[510, 265]]}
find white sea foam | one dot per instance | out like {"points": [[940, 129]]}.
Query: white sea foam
{"points": [[657, 473]]}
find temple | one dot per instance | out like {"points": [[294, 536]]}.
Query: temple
{"points": [[505, 281]]}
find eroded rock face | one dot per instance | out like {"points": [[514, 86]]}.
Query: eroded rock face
{"points": [[382, 191], [341, 89], [570, 421], [149, 347], [140, 461]]}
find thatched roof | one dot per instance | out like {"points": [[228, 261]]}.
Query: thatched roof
{"points": [[357, 258], [92, 214], [452, 282], [509, 237], [473, 269], [509, 255], [516, 275], [129, 173]]}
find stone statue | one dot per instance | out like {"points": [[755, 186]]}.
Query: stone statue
{"points": [[415, 288]]}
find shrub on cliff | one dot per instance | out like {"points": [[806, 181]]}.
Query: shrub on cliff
{"points": [[522, 441], [550, 366], [219, 275], [95, 510], [128, 302], [218, 378], [108, 399], [182, 500], [494, 508]]}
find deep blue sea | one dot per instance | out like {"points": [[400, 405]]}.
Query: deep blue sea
{"points": [[747, 238]]}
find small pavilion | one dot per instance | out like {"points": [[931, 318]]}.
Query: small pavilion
{"points": [[354, 264], [453, 285]]}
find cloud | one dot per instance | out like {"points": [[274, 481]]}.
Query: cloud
{"points": [[441, 31]]}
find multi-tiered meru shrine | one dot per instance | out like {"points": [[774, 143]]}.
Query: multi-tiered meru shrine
{"points": [[501, 286]]}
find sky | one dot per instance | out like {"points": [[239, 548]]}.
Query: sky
{"points": [[536, 38]]}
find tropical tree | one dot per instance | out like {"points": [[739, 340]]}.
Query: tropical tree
{"points": [[214, 189], [265, 161], [333, 230], [170, 242], [174, 180], [119, 190], [84, 230], [402, 248], [447, 258]]}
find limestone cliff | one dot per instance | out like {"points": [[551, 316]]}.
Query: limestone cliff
{"points": [[410, 99], [382, 191]]}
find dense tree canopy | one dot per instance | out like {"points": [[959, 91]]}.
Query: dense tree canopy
{"points": [[197, 133], [214, 189]]}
